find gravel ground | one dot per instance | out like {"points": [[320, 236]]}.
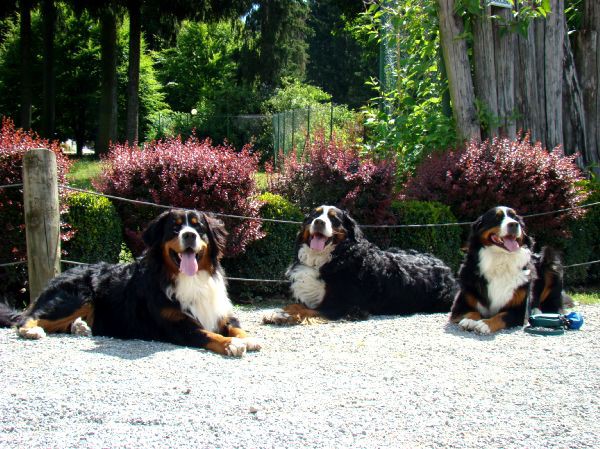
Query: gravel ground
{"points": [[397, 382]]}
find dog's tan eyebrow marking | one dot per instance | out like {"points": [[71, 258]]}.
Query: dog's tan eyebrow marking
{"points": [[499, 213], [331, 213], [319, 210]]}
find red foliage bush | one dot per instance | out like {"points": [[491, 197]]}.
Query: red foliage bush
{"points": [[331, 173], [515, 173], [14, 143], [192, 174]]}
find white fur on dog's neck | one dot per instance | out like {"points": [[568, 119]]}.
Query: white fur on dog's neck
{"points": [[307, 286], [203, 297], [505, 272]]}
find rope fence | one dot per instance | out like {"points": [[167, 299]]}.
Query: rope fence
{"points": [[272, 220]]}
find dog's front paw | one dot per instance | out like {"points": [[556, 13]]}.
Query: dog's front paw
{"points": [[253, 343], [235, 347], [80, 328], [467, 324], [280, 318], [32, 333], [478, 326]]}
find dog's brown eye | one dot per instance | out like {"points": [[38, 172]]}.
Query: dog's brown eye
{"points": [[194, 220]]}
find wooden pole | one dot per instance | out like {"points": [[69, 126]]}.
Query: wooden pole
{"points": [[42, 223]]}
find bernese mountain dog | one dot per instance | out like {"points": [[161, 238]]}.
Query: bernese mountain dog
{"points": [[175, 293], [501, 273], [338, 274]]}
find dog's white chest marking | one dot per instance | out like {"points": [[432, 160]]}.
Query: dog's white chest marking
{"points": [[504, 271], [204, 297], [307, 286]]}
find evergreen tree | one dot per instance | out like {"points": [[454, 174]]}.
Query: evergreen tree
{"points": [[337, 62], [280, 48]]}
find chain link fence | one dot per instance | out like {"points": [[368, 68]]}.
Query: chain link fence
{"points": [[297, 128]]}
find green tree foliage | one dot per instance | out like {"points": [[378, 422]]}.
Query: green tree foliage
{"points": [[406, 119], [77, 50], [200, 71], [277, 46], [338, 62]]}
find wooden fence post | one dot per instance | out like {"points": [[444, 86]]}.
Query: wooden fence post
{"points": [[42, 222]]}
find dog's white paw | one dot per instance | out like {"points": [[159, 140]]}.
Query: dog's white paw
{"points": [[81, 328], [278, 317], [468, 324], [32, 333], [236, 347], [482, 328], [253, 343]]}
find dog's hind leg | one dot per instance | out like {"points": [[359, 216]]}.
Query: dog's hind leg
{"points": [[56, 314]]}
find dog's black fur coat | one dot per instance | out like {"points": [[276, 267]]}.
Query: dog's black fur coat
{"points": [[361, 279], [130, 301]]}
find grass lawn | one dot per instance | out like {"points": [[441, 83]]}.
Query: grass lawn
{"points": [[591, 296], [83, 171]]}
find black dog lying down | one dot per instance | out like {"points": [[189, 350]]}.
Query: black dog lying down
{"points": [[339, 274], [175, 293]]}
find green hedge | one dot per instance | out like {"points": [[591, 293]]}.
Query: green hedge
{"points": [[269, 257], [584, 245], [98, 230], [443, 242]]}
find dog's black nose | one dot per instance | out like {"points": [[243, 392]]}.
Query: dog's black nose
{"points": [[188, 238], [318, 223], [512, 227]]}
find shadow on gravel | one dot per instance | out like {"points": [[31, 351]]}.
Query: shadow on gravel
{"points": [[453, 329], [129, 349]]}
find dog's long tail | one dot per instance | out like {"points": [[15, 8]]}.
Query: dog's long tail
{"points": [[8, 316]]}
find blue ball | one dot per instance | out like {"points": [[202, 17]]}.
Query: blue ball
{"points": [[575, 320]]}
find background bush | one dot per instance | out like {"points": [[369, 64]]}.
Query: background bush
{"points": [[14, 143], [98, 229], [584, 244], [269, 257], [503, 172], [330, 173], [444, 242], [192, 174]]}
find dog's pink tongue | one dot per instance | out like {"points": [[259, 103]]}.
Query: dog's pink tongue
{"points": [[318, 242], [188, 264], [511, 244]]}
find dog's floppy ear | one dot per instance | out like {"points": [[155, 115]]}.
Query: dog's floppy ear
{"points": [[217, 236], [527, 241], [351, 226], [155, 230]]}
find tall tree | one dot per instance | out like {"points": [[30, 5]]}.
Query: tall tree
{"points": [[282, 49], [337, 62], [133, 72], [49, 79], [458, 69], [107, 123], [587, 59], [26, 62]]}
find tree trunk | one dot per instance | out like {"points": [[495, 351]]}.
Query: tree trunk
{"points": [[460, 82], [553, 72], [107, 129], [504, 45], [26, 63], [484, 71], [573, 111], [587, 60], [49, 91], [133, 82], [527, 89]]}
